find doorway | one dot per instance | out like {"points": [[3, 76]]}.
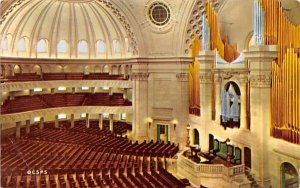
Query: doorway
{"points": [[247, 154], [196, 137], [162, 133], [289, 176], [211, 142]]}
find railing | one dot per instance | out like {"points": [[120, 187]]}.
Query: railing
{"points": [[215, 169]]}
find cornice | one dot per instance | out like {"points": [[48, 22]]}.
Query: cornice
{"points": [[20, 86], [29, 115]]}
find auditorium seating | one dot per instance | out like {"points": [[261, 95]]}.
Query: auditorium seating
{"points": [[27, 103], [83, 157], [22, 77]]}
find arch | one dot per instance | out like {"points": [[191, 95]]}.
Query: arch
{"points": [[17, 69], [230, 105], [97, 69], [22, 44], [196, 137], [289, 176], [37, 69], [82, 47], [106, 69], [62, 46], [101, 47], [42, 46], [116, 46]]}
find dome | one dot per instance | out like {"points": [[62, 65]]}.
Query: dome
{"points": [[88, 29]]}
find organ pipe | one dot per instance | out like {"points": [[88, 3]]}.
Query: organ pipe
{"points": [[285, 71]]}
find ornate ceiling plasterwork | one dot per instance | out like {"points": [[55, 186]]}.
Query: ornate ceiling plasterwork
{"points": [[70, 20]]}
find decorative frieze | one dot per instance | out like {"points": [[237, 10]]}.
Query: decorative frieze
{"points": [[140, 76], [260, 80], [22, 116], [21, 86], [205, 78], [182, 77]]}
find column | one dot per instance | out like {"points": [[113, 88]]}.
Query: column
{"points": [[18, 129], [73, 90], [110, 91], [56, 122], [11, 95], [42, 123], [206, 60], [27, 126], [31, 92], [111, 122], [72, 121], [260, 61], [100, 121], [125, 93], [87, 121], [140, 102], [243, 102], [52, 90]]}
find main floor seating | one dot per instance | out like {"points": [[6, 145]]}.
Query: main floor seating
{"points": [[23, 77], [27, 103], [83, 157]]}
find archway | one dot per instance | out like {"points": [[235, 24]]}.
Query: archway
{"points": [[196, 137], [289, 176], [17, 69], [230, 105]]}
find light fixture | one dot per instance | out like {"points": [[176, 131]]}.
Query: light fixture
{"points": [[38, 89], [105, 88], [61, 88], [84, 88], [62, 116], [36, 119], [83, 115]]}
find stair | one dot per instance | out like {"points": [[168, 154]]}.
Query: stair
{"points": [[251, 177]]}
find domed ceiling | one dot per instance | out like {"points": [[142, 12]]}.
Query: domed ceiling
{"points": [[66, 29]]}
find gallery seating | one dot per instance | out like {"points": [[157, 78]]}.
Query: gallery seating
{"points": [[35, 102], [23, 77]]}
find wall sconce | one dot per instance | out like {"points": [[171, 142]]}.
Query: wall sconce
{"points": [[174, 126]]}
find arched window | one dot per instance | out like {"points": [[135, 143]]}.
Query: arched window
{"points": [[116, 46], [289, 176], [41, 46], [230, 105], [22, 45], [101, 48], [62, 46], [127, 45], [82, 47], [4, 44]]}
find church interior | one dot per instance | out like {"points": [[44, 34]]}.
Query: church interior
{"points": [[150, 93]]}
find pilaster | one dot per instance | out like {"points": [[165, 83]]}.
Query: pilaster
{"points": [[260, 64]]}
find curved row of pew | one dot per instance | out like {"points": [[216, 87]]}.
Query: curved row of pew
{"points": [[83, 157], [35, 102]]}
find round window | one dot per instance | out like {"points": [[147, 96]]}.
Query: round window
{"points": [[159, 13]]}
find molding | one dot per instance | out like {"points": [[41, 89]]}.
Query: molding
{"points": [[140, 76], [182, 77], [139, 60], [261, 81], [20, 86], [29, 115], [206, 78]]}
